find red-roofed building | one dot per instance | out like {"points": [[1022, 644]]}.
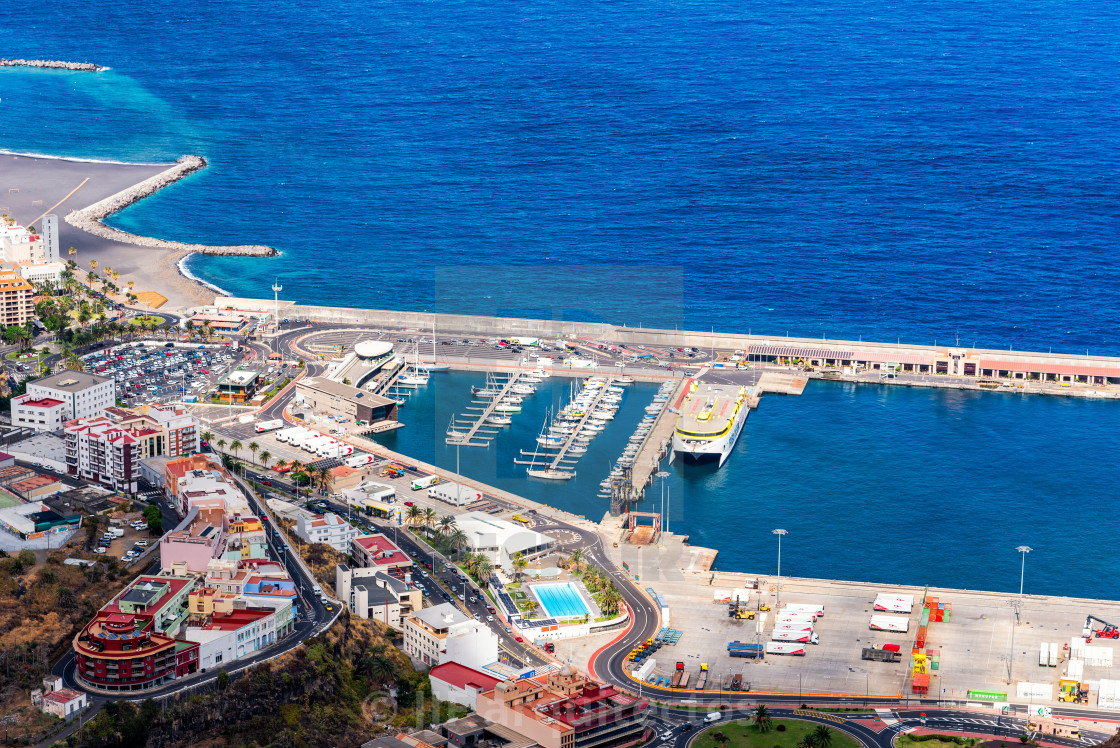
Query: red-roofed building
{"points": [[377, 551], [100, 451], [64, 703], [39, 413], [459, 684], [566, 711]]}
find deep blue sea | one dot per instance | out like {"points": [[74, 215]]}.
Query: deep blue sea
{"points": [[890, 170]]}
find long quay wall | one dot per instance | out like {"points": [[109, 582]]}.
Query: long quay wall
{"points": [[952, 364], [52, 65]]}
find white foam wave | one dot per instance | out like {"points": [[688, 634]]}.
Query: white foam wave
{"points": [[188, 274]]}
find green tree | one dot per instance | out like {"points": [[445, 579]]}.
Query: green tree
{"points": [[446, 523], [223, 680], [154, 519], [431, 518], [414, 516], [65, 597], [221, 445], [519, 564], [253, 447], [457, 540], [235, 446], [266, 457], [27, 558], [822, 736], [576, 559]]}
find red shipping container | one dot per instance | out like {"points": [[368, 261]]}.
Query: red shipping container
{"points": [[921, 636], [921, 683]]}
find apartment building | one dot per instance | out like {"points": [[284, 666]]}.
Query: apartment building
{"points": [[17, 304], [376, 551], [372, 593], [566, 711], [101, 452], [163, 430], [86, 395], [443, 633]]}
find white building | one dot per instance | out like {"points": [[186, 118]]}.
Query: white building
{"points": [[443, 633], [51, 246], [41, 272], [499, 540], [326, 528], [459, 684], [86, 395], [39, 413]]}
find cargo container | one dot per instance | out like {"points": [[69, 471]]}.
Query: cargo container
{"points": [[684, 679], [272, 425], [891, 647], [1043, 654], [676, 679], [358, 460], [744, 649], [817, 610], [890, 623], [287, 435], [785, 648], [306, 439], [895, 603], [921, 638], [795, 636], [455, 494], [921, 683], [645, 669], [881, 655], [424, 481], [784, 619], [1054, 654]]}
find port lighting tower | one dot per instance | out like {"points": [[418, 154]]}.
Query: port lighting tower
{"points": [[276, 289], [1024, 550], [778, 602], [662, 474]]}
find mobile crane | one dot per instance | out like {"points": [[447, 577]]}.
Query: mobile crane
{"points": [[1106, 631]]}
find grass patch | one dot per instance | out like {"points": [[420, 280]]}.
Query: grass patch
{"points": [[742, 734], [17, 356], [147, 319], [939, 741]]}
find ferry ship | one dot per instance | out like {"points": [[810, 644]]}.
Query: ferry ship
{"points": [[710, 421]]}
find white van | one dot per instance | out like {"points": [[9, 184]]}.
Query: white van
{"points": [[713, 716]]}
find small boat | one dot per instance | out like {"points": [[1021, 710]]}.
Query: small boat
{"points": [[522, 389], [430, 366], [507, 408], [615, 389], [577, 450], [624, 381], [550, 441], [551, 474], [498, 420], [512, 399], [484, 392]]}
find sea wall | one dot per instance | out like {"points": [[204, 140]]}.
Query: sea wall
{"points": [[89, 219], [52, 64]]}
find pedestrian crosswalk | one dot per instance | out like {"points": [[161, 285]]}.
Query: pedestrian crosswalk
{"points": [[149, 495], [819, 715]]}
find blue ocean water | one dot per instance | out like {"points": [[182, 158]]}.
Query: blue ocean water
{"points": [[835, 169], [880, 484], [890, 170]]}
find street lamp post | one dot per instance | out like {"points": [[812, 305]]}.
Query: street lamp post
{"points": [[778, 601], [1024, 550]]}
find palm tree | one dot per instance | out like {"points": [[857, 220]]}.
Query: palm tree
{"points": [[130, 285], [190, 329], [72, 252], [207, 436], [326, 478], [253, 447], [822, 736], [235, 446], [446, 523], [610, 599], [457, 540], [221, 445], [519, 563], [414, 516], [483, 568], [762, 719], [382, 669], [266, 457], [206, 331], [430, 518], [576, 559]]}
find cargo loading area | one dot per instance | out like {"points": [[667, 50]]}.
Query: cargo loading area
{"points": [[957, 649]]}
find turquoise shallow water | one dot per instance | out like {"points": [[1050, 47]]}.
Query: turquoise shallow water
{"points": [[883, 484]]}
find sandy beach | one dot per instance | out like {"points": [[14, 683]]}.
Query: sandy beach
{"points": [[31, 185]]}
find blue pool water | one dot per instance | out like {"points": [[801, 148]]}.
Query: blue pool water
{"points": [[561, 600]]}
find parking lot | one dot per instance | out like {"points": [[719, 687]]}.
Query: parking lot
{"points": [[153, 371], [128, 547]]}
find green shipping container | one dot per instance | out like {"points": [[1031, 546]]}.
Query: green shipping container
{"points": [[936, 664], [923, 620]]}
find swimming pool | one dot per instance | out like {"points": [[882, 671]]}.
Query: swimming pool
{"points": [[561, 600]]}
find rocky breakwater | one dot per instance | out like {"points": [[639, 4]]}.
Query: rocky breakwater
{"points": [[53, 65], [89, 219]]}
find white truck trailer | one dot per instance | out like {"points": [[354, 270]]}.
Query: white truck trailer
{"points": [[894, 603], [805, 637], [817, 610], [424, 481], [358, 460], [272, 425], [785, 648], [892, 624], [455, 494]]}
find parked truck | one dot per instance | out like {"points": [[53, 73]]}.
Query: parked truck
{"points": [[793, 627], [684, 679], [785, 648], [737, 682], [286, 435], [1043, 654], [675, 683], [272, 425], [358, 460], [745, 649], [424, 481], [795, 618], [702, 681], [795, 636], [881, 655], [1053, 654]]}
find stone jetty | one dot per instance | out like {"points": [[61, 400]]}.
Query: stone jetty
{"points": [[53, 65], [89, 219]]}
